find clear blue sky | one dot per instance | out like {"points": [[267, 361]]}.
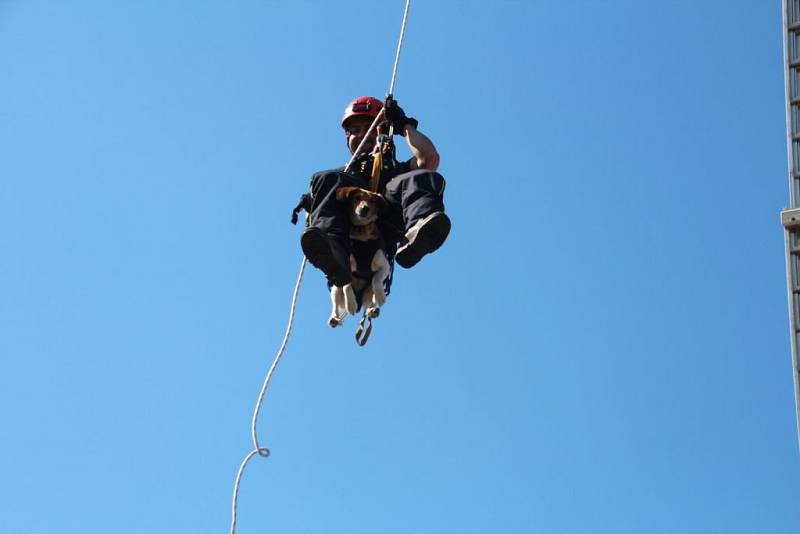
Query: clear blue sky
{"points": [[600, 347]]}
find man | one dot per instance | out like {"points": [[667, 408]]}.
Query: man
{"points": [[413, 189]]}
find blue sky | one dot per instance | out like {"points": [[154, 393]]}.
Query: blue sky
{"points": [[600, 347]]}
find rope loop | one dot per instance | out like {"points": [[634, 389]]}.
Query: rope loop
{"points": [[364, 329], [257, 449]]}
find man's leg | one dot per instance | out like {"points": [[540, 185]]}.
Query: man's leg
{"points": [[418, 196], [326, 242]]}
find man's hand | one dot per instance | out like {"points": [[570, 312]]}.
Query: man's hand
{"points": [[397, 117]]}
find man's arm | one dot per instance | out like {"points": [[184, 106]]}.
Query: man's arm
{"points": [[425, 154]]}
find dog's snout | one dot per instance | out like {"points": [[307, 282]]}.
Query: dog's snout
{"points": [[363, 209]]}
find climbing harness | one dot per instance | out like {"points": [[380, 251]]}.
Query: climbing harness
{"points": [[361, 338], [377, 167], [382, 159]]}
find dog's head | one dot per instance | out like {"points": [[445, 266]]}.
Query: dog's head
{"points": [[364, 206]]}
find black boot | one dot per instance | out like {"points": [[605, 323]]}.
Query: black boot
{"points": [[424, 236], [326, 253]]}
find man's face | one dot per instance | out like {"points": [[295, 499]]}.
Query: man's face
{"points": [[354, 129]]}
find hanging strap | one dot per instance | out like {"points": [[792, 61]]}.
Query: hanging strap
{"points": [[377, 167], [364, 330], [365, 325]]}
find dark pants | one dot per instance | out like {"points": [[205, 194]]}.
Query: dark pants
{"points": [[411, 196]]}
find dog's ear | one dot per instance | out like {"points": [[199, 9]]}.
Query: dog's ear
{"points": [[381, 201], [343, 193]]}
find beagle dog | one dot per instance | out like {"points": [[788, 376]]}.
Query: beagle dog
{"points": [[369, 263]]}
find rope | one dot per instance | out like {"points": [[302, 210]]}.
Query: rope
{"points": [[397, 58], [391, 87], [263, 451], [399, 46], [357, 151]]}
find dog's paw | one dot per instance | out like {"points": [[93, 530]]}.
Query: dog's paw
{"points": [[334, 321], [379, 297], [372, 312], [350, 300], [378, 293]]}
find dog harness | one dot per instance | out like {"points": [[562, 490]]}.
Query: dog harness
{"points": [[364, 250]]}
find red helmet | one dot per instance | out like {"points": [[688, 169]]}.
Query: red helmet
{"points": [[363, 106]]}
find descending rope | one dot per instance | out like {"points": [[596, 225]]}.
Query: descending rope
{"points": [[399, 46], [391, 88], [257, 449], [360, 146], [263, 451], [397, 58]]}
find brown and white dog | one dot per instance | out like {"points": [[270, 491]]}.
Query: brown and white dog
{"points": [[369, 264]]}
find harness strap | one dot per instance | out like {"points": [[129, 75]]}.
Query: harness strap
{"points": [[377, 166], [362, 333]]}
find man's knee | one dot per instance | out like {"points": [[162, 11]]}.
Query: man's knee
{"points": [[327, 180], [434, 181], [324, 180], [418, 180]]}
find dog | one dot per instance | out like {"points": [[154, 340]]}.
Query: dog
{"points": [[369, 263]]}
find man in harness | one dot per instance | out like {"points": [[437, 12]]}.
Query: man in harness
{"points": [[412, 189]]}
